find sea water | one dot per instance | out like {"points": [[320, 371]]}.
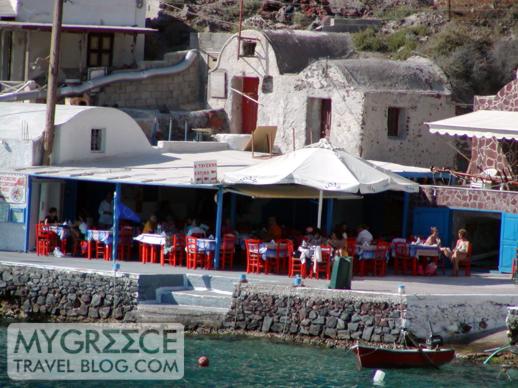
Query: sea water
{"points": [[250, 362]]}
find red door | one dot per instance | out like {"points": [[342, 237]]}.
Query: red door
{"points": [[325, 118], [249, 107]]}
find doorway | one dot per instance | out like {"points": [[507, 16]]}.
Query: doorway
{"points": [[249, 107], [318, 119]]}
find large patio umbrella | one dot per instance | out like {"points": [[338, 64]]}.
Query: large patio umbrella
{"points": [[322, 167]]}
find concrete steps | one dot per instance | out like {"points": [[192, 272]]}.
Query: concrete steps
{"points": [[202, 298], [189, 316]]}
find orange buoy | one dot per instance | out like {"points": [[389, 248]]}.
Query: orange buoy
{"points": [[203, 361]]}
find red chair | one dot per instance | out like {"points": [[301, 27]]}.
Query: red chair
{"points": [[195, 258], [177, 252], [283, 255], [380, 261], [466, 263], [125, 243], [254, 261], [402, 259], [295, 267], [227, 251], [46, 240], [101, 250], [324, 267]]}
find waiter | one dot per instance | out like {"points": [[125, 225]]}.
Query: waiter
{"points": [[106, 211]]}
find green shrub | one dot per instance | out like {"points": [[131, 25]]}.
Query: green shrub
{"points": [[396, 13], [368, 40], [250, 7], [301, 19]]}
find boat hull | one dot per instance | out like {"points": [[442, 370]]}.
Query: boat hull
{"points": [[375, 357]]}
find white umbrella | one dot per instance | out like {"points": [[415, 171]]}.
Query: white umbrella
{"points": [[324, 168]]}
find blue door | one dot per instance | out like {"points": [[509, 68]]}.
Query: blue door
{"points": [[508, 241], [426, 217]]}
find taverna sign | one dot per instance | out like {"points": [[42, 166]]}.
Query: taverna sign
{"points": [[206, 172]]}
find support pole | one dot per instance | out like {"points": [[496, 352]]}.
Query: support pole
{"points": [[406, 209], [116, 207], [170, 129], [52, 84], [320, 205], [329, 216], [219, 216], [28, 215], [233, 210]]}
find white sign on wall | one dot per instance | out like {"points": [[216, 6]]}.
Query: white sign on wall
{"points": [[206, 172], [13, 188]]}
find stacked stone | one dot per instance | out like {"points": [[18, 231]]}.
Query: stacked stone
{"points": [[29, 292], [512, 324], [315, 313]]}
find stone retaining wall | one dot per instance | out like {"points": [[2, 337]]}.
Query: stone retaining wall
{"points": [[332, 314], [367, 316], [57, 294], [512, 324]]}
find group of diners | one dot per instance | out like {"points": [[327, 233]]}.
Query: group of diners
{"points": [[269, 249]]}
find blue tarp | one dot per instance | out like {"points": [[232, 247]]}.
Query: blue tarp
{"points": [[125, 213]]}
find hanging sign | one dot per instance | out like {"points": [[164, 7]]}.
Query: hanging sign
{"points": [[206, 172], [13, 188]]}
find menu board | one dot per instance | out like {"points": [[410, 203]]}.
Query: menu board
{"points": [[13, 188]]}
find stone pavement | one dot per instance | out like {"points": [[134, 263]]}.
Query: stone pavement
{"points": [[477, 284]]}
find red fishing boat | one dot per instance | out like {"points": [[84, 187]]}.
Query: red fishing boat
{"points": [[421, 357]]}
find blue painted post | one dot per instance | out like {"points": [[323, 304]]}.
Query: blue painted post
{"points": [[406, 209], [116, 202], [329, 216], [233, 210], [219, 219], [28, 215]]}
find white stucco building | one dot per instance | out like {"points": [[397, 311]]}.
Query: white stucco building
{"points": [[82, 134], [96, 33], [308, 86]]}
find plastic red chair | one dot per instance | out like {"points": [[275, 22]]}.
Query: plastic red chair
{"points": [[125, 243], [195, 258], [227, 251], [324, 267], [380, 261], [402, 259], [177, 252], [466, 263], [254, 261], [46, 240], [283, 255]]}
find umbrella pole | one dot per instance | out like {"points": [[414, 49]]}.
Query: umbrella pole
{"points": [[320, 205]]}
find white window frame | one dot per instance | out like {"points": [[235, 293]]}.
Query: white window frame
{"points": [[102, 136]]}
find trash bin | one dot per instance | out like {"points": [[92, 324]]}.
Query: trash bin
{"points": [[342, 273]]}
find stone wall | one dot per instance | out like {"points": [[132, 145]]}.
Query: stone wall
{"points": [[491, 153], [181, 91], [512, 324], [460, 197], [331, 314], [302, 314], [57, 294]]}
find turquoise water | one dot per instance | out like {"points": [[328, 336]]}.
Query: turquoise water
{"points": [[245, 362]]}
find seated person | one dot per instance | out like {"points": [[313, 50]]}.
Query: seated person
{"points": [[459, 253], [169, 225], [227, 227], [194, 229], [364, 236], [338, 243], [52, 216], [150, 225], [274, 231], [433, 238]]}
